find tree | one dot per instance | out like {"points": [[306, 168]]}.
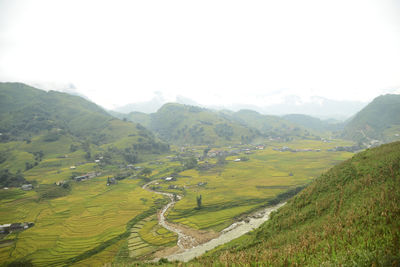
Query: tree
{"points": [[88, 155], [205, 152], [198, 199], [146, 172], [224, 130], [221, 160], [190, 163], [73, 148]]}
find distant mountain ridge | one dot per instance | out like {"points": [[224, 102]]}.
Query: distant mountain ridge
{"points": [[182, 124]]}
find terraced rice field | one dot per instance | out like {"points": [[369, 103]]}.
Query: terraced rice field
{"points": [[69, 226], [147, 237], [105, 257]]}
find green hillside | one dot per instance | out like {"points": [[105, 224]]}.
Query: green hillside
{"points": [[184, 124], [25, 111], [379, 120], [349, 216], [42, 132]]}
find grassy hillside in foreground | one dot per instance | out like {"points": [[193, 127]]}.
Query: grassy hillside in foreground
{"points": [[348, 216], [379, 120]]}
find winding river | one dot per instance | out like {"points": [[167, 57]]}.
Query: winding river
{"points": [[189, 248]]}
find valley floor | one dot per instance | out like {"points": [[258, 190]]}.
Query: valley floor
{"points": [[97, 224]]}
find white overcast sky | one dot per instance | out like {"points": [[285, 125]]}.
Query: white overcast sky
{"points": [[215, 52]]}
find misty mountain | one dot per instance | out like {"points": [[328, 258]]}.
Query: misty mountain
{"points": [[146, 106], [313, 123], [317, 107], [68, 88], [272, 126]]}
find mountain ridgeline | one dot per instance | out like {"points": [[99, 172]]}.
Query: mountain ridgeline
{"points": [[349, 216], [377, 123], [185, 124]]}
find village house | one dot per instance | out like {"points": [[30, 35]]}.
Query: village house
{"points": [[26, 187], [81, 178], [93, 174], [13, 227]]}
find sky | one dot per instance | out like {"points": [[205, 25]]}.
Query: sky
{"points": [[214, 52]]}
